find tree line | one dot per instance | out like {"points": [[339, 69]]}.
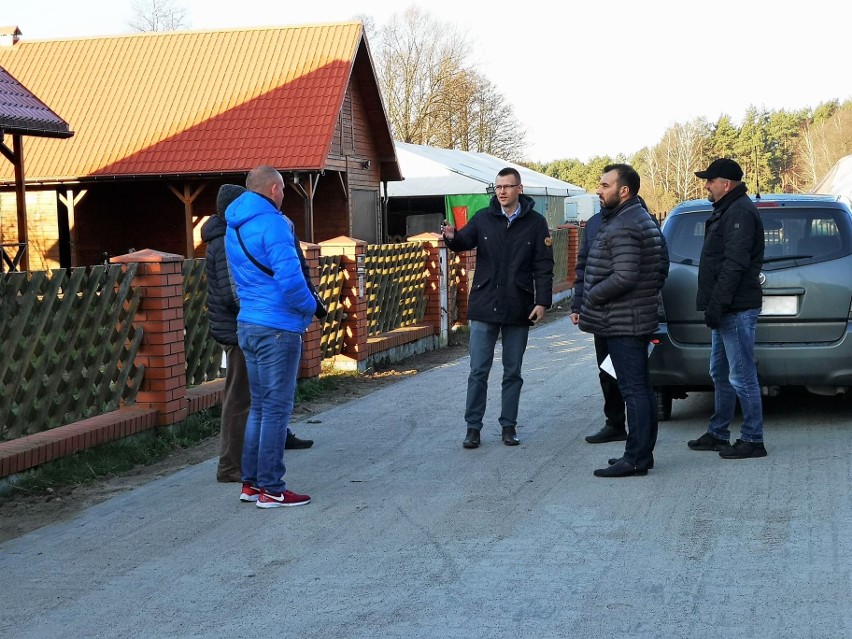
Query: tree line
{"points": [[780, 152]]}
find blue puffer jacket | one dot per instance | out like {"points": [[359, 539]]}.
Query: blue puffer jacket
{"points": [[283, 301]]}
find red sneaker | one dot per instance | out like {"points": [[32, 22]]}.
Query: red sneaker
{"points": [[249, 492], [276, 500]]}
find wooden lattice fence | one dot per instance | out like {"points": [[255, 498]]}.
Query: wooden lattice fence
{"points": [[68, 346], [203, 354], [455, 272], [330, 289], [396, 285], [560, 254]]}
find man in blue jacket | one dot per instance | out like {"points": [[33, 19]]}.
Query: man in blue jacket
{"points": [[512, 287], [276, 307], [223, 308]]}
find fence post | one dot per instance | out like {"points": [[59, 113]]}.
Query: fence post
{"points": [[468, 268], [159, 280], [311, 364], [437, 280], [353, 252], [573, 252]]}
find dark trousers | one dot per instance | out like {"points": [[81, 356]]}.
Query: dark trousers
{"points": [[236, 402], [613, 402], [630, 361]]}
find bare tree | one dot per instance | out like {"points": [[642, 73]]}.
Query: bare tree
{"points": [[819, 146], [157, 15], [434, 96], [669, 167]]}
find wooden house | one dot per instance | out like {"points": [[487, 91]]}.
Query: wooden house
{"points": [[162, 120]]}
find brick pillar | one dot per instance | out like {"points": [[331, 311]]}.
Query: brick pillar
{"points": [[437, 314], [354, 356], [311, 364], [468, 268], [573, 252], [159, 280]]}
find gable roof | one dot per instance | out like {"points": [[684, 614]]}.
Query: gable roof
{"points": [[22, 112], [191, 102], [431, 171]]}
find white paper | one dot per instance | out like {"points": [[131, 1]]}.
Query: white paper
{"points": [[607, 367]]}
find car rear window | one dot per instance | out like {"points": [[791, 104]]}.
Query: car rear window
{"points": [[803, 234]]}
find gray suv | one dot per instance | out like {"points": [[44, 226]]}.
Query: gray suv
{"points": [[804, 333]]}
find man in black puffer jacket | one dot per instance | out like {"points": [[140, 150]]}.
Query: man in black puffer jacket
{"points": [[512, 287], [624, 273], [223, 307]]}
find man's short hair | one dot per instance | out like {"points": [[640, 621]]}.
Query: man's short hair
{"points": [[510, 171], [261, 178], [627, 176]]}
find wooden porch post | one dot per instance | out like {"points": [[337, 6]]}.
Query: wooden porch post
{"points": [[70, 200], [15, 155], [188, 197]]}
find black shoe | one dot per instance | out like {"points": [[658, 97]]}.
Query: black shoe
{"points": [[607, 434], [472, 438], [615, 460], [294, 442], [708, 442], [621, 469], [743, 450], [510, 437]]}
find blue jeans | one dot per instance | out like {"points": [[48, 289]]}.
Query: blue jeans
{"points": [[272, 360], [483, 337], [734, 375], [630, 360]]}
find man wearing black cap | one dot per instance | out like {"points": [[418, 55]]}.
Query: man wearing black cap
{"points": [[729, 293]]}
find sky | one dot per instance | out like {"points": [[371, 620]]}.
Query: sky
{"points": [[584, 78]]}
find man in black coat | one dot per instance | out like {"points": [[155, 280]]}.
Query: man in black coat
{"points": [[223, 307], [623, 276], [512, 287], [731, 297]]}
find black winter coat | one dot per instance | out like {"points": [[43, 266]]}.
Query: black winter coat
{"points": [[624, 272], [514, 263], [222, 301], [731, 257]]}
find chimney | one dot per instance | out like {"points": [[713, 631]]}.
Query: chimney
{"points": [[9, 36]]}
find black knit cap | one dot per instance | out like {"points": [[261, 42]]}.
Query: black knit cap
{"points": [[227, 194], [722, 168]]}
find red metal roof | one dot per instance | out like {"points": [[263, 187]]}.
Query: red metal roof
{"points": [[192, 102]]}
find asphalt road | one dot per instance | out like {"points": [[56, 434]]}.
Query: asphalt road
{"points": [[409, 535]]}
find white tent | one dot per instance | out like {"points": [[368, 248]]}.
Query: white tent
{"points": [[429, 171], [838, 181]]}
